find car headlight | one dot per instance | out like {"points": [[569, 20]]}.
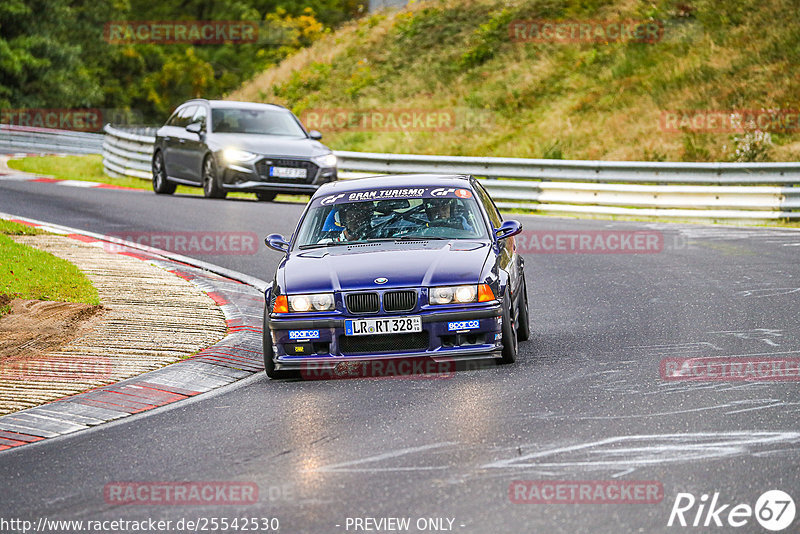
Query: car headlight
{"points": [[326, 160], [311, 303], [460, 294], [232, 155], [453, 294]]}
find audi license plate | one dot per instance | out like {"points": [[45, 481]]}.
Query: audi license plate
{"points": [[287, 172], [383, 325]]}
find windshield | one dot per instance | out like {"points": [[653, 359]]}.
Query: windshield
{"points": [[417, 218], [255, 121]]}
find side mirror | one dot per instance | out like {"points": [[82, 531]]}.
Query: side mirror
{"points": [[195, 127], [276, 242], [315, 135], [508, 229]]}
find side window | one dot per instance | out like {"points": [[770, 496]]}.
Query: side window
{"points": [[200, 116], [172, 121], [488, 205], [184, 116]]}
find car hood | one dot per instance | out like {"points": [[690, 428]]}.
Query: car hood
{"points": [[355, 267], [272, 145]]}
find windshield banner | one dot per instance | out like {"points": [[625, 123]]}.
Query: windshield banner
{"points": [[392, 193]]}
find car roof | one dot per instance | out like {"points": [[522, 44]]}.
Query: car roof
{"points": [[234, 104], [394, 180]]}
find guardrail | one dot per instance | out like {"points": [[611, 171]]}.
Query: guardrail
{"points": [[718, 191], [44, 140], [128, 152]]}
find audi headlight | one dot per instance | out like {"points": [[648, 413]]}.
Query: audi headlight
{"points": [[311, 303], [326, 160], [234, 155]]}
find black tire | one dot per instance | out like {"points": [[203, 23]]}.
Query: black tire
{"points": [[269, 363], [211, 187], [523, 323], [266, 196], [510, 342], [160, 183]]}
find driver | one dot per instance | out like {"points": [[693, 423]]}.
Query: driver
{"points": [[356, 219], [440, 213]]}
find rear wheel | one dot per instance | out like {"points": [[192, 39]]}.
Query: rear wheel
{"points": [[510, 342], [211, 187], [160, 184], [523, 325], [266, 196]]}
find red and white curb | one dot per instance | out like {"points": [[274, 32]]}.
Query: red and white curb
{"points": [[12, 175], [235, 357], [69, 183]]}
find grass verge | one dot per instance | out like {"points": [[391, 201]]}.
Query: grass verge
{"points": [[601, 99], [90, 169], [30, 273]]}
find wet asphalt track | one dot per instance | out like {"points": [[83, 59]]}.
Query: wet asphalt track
{"points": [[584, 402]]}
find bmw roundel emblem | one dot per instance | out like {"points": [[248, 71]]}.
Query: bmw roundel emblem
{"points": [[381, 280]]}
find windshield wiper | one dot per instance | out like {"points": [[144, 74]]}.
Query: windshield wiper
{"points": [[408, 238], [321, 245], [373, 240]]}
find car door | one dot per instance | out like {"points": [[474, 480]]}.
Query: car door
{"points": [[169, 143], [176, 144], [194, 148], [185, 138]]}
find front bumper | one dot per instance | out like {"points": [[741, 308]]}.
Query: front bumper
{"points": [[320, 342], [252, 177]]}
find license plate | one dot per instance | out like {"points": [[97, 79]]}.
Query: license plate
{"points": [[287, 172], [382, 325]]}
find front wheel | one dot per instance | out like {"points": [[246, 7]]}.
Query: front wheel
{"points": [[160, 184], [269, 355], [211, 187], [510, 341]]}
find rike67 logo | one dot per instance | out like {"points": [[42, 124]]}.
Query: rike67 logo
{"points": [[774, 510]]}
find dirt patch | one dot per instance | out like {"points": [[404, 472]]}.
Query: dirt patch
{"points": [[37, 327]]}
